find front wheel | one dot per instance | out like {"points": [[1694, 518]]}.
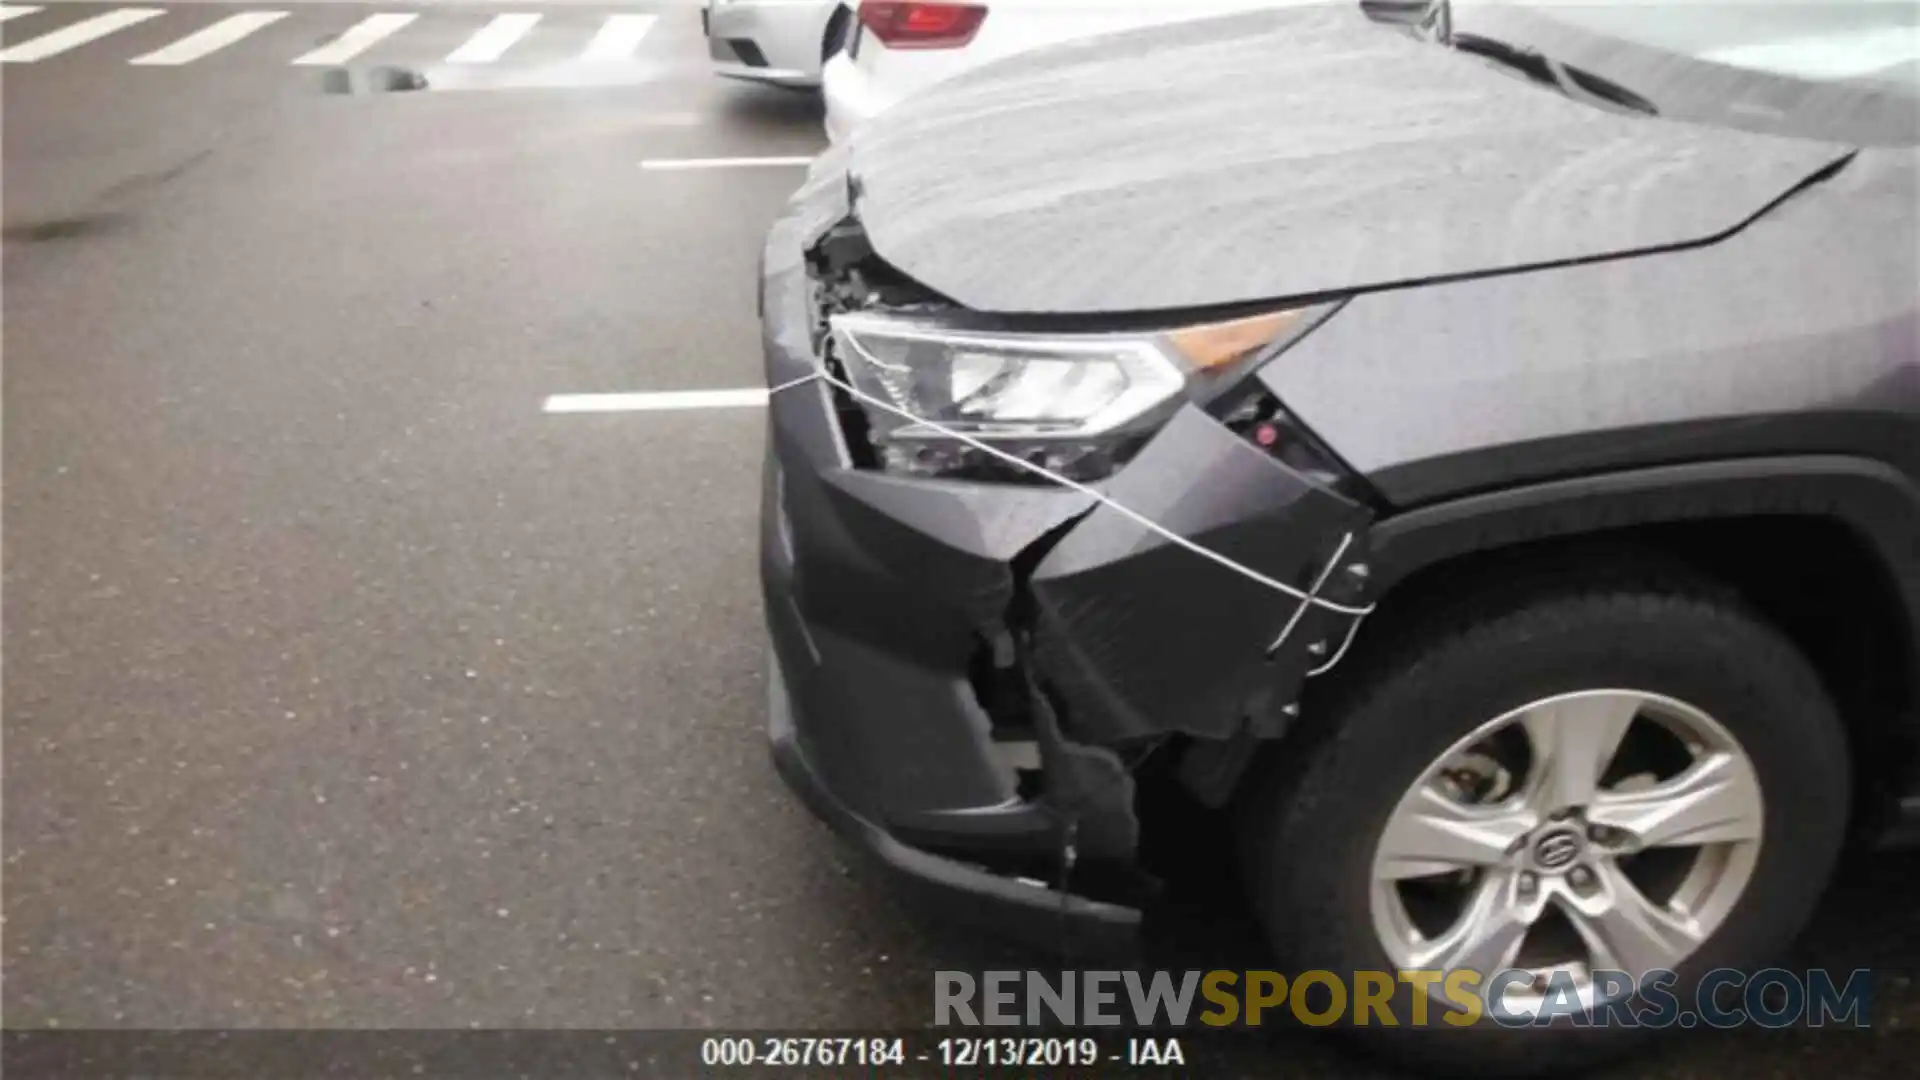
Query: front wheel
{"points": [[1558, 788]]}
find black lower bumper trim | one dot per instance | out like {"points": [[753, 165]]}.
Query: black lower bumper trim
{"points": [[1029, 913], [748, 52]]}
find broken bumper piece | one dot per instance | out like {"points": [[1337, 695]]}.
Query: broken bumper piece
{"points": [[1021, 908], [967, 675]]}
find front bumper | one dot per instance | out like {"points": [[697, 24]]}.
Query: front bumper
{"points": [[968, 676], [1022, 908]]}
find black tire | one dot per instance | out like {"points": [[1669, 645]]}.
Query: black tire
{"points": [[1315, 812]]}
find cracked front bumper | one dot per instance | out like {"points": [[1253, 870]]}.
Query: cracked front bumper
{"points": [[1022, 908], [967, 674]]}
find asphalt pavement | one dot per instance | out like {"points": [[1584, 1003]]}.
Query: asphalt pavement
{"points": [[345, 686]]}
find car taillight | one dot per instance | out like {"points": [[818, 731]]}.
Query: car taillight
{"points": [[903, 24]]}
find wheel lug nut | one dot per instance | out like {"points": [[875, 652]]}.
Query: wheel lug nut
{"points": [[1580, 876], [1528, 883]]}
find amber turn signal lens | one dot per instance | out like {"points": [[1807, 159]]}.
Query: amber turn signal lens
{"points": [[1215, 345]]}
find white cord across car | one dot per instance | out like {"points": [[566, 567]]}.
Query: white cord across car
{"points": [[898, 47], [783, 42]]}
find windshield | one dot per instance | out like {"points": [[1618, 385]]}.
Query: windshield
{"points": [[1844, 70]]}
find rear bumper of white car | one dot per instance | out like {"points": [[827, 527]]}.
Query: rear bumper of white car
{"points": [[772, 41]]}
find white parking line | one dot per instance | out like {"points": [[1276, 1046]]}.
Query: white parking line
{"points": [[675, 401], [492, 41], [357, 39], [72, 37], [215, 37], [618, 37], [14, 11], [679, 164]]}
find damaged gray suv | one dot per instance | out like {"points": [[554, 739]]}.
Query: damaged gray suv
{"points": [[1475, 452]]}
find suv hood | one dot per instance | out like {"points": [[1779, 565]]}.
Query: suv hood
{"points": [[1274, 155]]}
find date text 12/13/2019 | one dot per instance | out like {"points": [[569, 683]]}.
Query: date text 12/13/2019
{"points": [[960, 1051]]}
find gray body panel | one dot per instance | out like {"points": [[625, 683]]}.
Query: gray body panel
{"points": [[1799, 334], [1279, 154]]}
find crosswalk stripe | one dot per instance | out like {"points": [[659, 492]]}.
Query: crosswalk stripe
{"points": [[358, 38], [213, 38], [76, 35], [618, 37], [491, 41], [14, 11]]}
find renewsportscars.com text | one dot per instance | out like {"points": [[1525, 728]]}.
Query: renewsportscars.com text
{"points": [[1725, 998]]}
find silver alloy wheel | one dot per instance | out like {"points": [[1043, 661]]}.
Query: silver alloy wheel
{"points": [[1599, 830]]}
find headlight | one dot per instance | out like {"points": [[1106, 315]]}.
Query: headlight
{"points": [[1072, 404]]}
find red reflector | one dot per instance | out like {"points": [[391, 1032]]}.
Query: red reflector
{"points": [[905, 24]]}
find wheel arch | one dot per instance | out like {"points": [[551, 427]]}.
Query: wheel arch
{"points": [[834, 31], [1794, 536]]}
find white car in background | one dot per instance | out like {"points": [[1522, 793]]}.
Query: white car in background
{"points": [[783, 42], [898, 47]]}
